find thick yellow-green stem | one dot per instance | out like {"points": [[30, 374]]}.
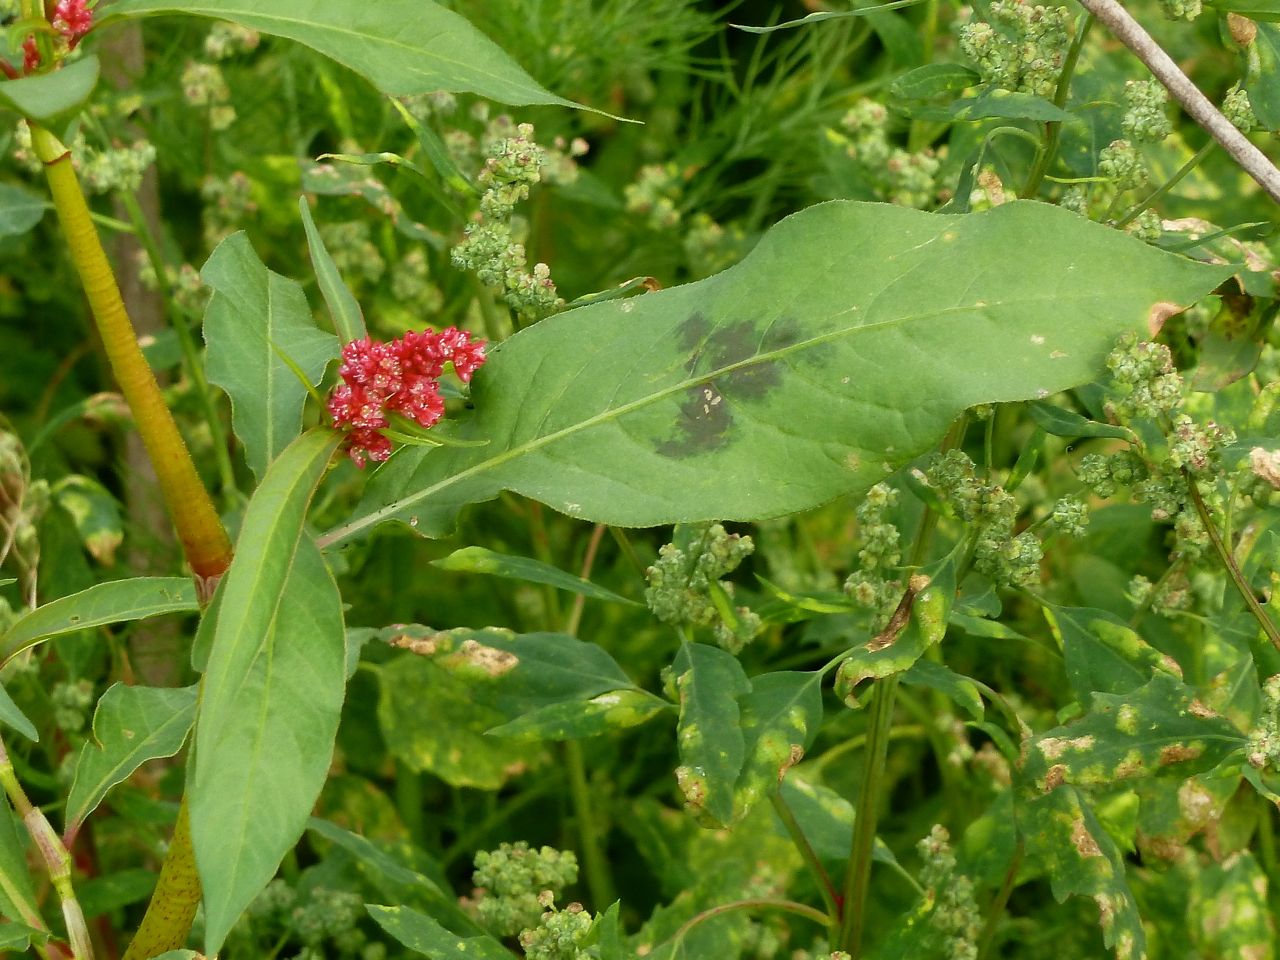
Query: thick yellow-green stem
{"points": [[173, 907], [204, 540]]}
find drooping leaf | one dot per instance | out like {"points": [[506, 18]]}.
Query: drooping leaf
{"points": [[1156, 728], [423, 935], [113, 602], [481, 560], [575, 719], [956, 687], [1062, 422], [881, 656], [780, 716], [17, 936], [49, 97], [20, 209], [827, 820], [131, 725], [1232, 344], [13, 716], [348, 320], [272, 695], [842, 347], [709, 734], [1079, 857], [255, 316], [402, 47], [96, 514], [822, 15]]}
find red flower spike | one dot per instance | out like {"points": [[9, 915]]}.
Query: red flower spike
{"points": [[30, 54], [398, 377], [73, 20]]}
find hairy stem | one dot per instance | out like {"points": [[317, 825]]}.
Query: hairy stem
{"points": [[173, 906], [1129, 32]]}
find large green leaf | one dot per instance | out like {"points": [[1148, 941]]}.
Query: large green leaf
{"points": [[576, 719], [49, 97], [273, 690], [842, 347], [1262, 77], [402, 46], [1157, 728], [259, 327], [711, 742], [481, 560], [780, 717], [20, 209], [1102, 653], [131, 725], [421, 934], [112, 602]]}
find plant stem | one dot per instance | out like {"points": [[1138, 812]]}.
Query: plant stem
{"points": [[55, 856], [1001, 900], [754, 903], [825, 885], [1129, 32], [1168, 185], [173, 905], [1229, 561], [1053, 129], [858, 878], [204, 541], [599, 880], [190, 353]]}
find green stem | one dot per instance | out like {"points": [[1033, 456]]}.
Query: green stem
{"points": [[809, 855], [754, 903], [1053, 129], [190, 353], [173, 906], [599, 880], [1001, 900], [1229, 561], [858, 878], [1136, 210]]}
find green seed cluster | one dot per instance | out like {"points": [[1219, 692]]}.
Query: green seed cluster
{"points": [[511, 880], [655, 195], [1121, 163], [559, 934], [899, 176], [955, 915], [1070, 516], [1237, 108], [1181, 9], [871, 585], [685, 585], [322, 923], [513, 164], [203, 85], [1021, 48], [71, 703], [1145, 119]]}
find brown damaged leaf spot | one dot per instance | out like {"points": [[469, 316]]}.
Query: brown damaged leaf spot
{"points": [[794, 757], [1054, 747], [1083, 840], [1177, 752], [1198, 708], [1055, 777], [490, 660], [1159, 313], [427, 646]]}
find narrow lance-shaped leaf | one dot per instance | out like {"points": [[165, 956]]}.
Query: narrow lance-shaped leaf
{"points": [[709, 734], [273, 690], [481, 560], [347, 318], [113, 602], [254, 317], [403, 47], [17, 895], [131, 725], [841, 348], [13, 716]]}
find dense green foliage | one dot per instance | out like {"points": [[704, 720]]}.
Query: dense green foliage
{"points": [[857, 541]]}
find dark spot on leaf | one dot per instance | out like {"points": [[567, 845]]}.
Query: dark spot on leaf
{"points": [[703, 423]]}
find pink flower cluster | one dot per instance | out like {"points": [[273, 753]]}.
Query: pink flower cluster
{"points": [[71, 18], [397, 377]]}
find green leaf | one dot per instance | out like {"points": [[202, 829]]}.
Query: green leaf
{"points": [[17, 896], [449, 739], [933, 80], [1065, 838], [423, 935], [436, 152], [96, 514], [575, 719], [272, 692], [1262, 75], [253, 313], [347, 318], [828, 15], [780, 717], [17, 936], [402, 47], [841, 348], [1232, 344], [480, 560], [131, 725], [112, 602], [49, 97], [827, 820], [709, 734], [20, 209], [1231, 916], [1102, 653], [1159, 728], [1003, 104], [1062, 422], [99, 895], [1253, 9], [928, 624], [956, 687], [14, 717]]}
